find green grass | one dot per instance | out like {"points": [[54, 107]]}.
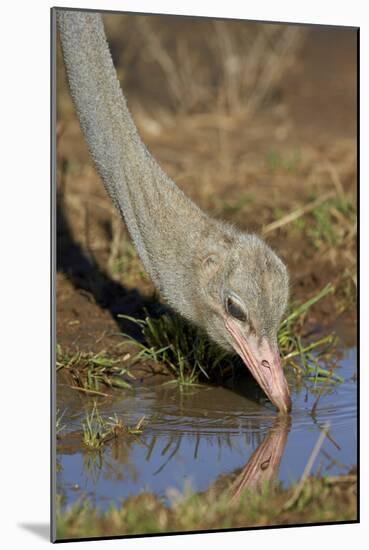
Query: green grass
{"points": [[191, 356], [305, 357], [89, 371], [234, 206], [116, 425], [94, 429], [98, 430], [276, 161], [320, 500], [331, 224], [181, 347]]}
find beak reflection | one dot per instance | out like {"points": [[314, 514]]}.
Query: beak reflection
{"points": [[264, 463]]}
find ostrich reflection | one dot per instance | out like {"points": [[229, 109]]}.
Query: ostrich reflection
{"points": [[263, 465]]}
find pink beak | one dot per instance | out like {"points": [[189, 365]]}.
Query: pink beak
{"points": [[264, 363]]}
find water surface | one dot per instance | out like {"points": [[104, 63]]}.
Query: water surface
{"points": [[192, 437]]}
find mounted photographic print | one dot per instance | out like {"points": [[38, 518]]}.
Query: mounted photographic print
{"points": [[204, 206]]}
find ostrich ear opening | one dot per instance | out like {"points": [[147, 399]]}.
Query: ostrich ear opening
{"points": [[210, 265]]}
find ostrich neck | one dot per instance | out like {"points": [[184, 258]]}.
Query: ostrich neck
{"points": [[165, 226]]}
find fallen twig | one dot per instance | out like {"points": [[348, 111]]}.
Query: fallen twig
{"points": [[292, 216], [89, 391], [297, 492]]}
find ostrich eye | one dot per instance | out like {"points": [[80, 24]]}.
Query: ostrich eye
{"points": [[235, 310]]}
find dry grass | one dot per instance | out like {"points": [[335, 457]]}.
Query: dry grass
{"points": [[320, 500], [237, 68]]}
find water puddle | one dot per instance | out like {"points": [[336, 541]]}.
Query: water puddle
{"points": [[190, 438]]}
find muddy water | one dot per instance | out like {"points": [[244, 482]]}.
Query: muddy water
{"points": [[192, 437]]}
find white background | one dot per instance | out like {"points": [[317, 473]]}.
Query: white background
{"points": [[24, 248]]}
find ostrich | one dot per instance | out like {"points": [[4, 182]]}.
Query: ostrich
{"points": [[226, 281]]}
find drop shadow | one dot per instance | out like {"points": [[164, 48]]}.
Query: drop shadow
{"points": [[42, 530]]}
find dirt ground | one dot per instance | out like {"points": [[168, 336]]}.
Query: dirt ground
{"points": [[251, 162]]}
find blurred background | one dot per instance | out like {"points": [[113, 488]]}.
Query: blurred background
{"points": [[255, 122]]}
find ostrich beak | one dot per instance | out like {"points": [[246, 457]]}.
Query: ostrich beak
{"points": [[263, 361]]}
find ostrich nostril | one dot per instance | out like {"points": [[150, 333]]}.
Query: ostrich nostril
{"points": [[264, 465], [265, 364]]}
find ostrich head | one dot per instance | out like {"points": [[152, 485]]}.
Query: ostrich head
{"points": [[243, 293]]}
